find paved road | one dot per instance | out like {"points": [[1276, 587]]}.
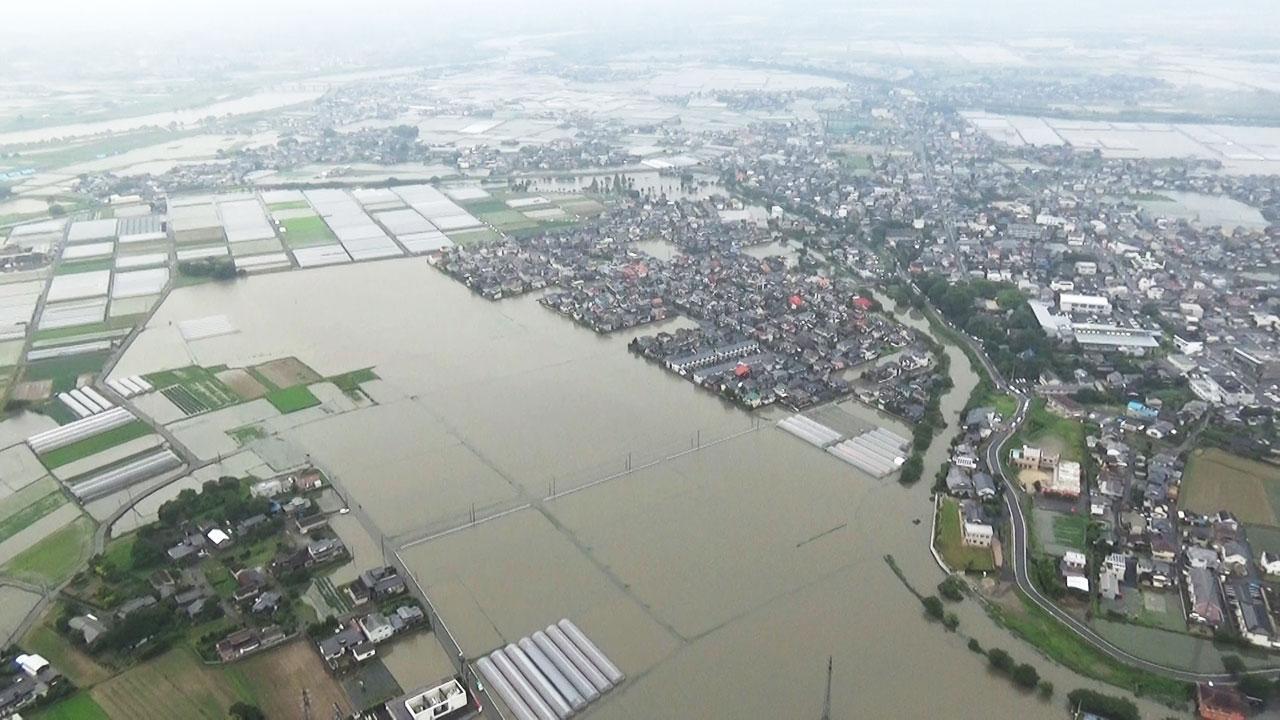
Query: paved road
{"points": [[1019, 557]]}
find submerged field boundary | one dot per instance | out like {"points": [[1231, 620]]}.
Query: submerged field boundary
{"points": [[755, 425]]}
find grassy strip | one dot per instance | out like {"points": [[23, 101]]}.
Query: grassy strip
{"points": [[290, 205], [55, 558], [19, 521], [77, 707], [72, 267], [350, 382], [95, 444], [1061, 645], [293, 399]]}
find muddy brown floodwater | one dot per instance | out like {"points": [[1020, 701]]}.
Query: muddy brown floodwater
{"points": [[719, 579]]}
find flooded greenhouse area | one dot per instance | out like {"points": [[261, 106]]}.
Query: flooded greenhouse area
{"points": [[529, 470]]}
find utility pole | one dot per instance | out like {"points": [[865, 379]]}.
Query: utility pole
{"points": [[826, 703]]}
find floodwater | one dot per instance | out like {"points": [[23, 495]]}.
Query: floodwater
{"points": [[1207, 210], [719, 567], [258, 102]]}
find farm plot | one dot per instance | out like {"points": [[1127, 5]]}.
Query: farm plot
{"points": [[242, 383], [286, 372], [194, 389], [292, 399], [95, 444], [55, 558], [1217, 480], [173, 685], [23, 508], [307, 231]]}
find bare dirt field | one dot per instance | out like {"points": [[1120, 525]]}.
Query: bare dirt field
{"points": [[33, 390], [287, 372], [242, 383]]}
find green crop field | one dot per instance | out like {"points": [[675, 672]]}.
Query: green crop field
{"points": [[350, 382], [72, 267], [304, 231], [194, 389], [289, 205], [1069, 530], [55, 558], [1217, 480], [17, 522], [293, 399], [95, 444], [65, 370], [79, 706]]}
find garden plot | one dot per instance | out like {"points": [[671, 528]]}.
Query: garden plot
{"points": [[319, 255], [201, 253], [79, 286], [72, 313], [286, 372], [17, 305], [92, 231], [139, 283], [141, 261], [88, 251], [193, 389], [306, 230], [242, 383]]}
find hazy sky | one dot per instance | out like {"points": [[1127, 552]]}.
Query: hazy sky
{"points": [[321, 25]]}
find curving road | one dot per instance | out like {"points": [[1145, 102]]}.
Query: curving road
{"points": [[1019, 558]]}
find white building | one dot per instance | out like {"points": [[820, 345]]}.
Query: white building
{"points": [[1087, 304], [437, 701], [976, 532]]}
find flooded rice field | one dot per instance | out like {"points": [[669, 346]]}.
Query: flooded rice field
{"points": [[718, 560], [1207, 210]]}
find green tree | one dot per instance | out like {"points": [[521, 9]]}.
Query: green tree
{"points": [[245, 711], [1233, 664], [952, 588], [1026, 676], [932, 607], [1000, 660], [1046, 689]]}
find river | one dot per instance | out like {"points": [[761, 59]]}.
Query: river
{"points": [[718, 579]]}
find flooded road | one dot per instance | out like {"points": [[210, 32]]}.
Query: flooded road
{"points": [[718, 560]]}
